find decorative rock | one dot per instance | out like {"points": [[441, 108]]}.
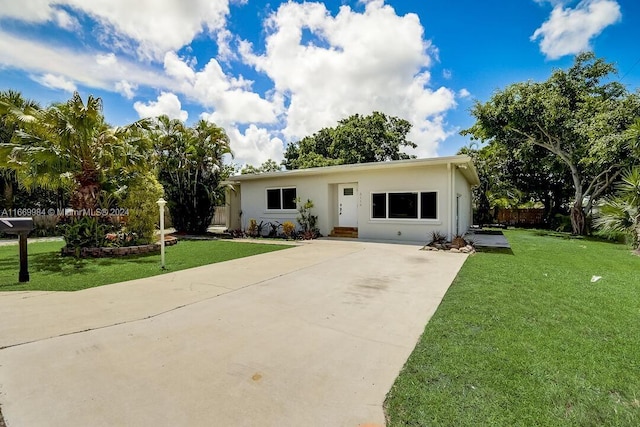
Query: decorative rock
{"points": [[455, 250]]}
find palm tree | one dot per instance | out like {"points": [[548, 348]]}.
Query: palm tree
{"points": [[190, 161], [8, 125], [69, 145], [621, 214]]}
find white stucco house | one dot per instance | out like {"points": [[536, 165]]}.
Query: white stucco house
{"points": [[396, 200]]}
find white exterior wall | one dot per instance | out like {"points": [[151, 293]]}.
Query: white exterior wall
{"points": [[322, 190], [463, 190]]}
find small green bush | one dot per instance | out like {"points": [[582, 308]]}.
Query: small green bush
{"points": [[86, 232], [141, 203]]}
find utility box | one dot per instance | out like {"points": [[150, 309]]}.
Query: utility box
{"points": [[22, 227]]}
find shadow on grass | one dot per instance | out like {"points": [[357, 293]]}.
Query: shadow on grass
{"points": [[504, 251], [53, 262]]}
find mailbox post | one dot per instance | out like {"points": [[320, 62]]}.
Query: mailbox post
{"points": [[21, 227]]}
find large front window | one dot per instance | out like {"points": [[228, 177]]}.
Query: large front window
{"points": [[404, 205], [281, 198]]}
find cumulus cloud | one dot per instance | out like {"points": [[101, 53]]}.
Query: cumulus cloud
{"points": [[254, 146], [126, 89], [328, 68], [231, 97], [569, 31], [464, 93], [56, 82], [166, 103], [152, 28]]}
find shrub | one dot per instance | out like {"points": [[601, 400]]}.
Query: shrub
{"points": [[306, 220], [140, 201], [45, 226], [252, 229], [86, 232], [437, 238], [288, 228]]}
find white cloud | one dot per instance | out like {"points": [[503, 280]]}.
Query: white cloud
{"points": [[66, 21], [167, 103], [230, 97], [126, 89], [464, 93], [447, 74], [569, 31], [254, 146], [56, 82], [154, 28], [354, 63], [97, 70]]}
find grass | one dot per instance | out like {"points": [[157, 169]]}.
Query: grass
{"points": [[51, 272], [526, 338]]}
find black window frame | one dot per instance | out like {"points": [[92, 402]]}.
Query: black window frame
{"points": [[425, 205], [281, 200]]}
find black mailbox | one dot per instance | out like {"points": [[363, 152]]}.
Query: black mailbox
{"points": [[21, 227], [16, 225]]}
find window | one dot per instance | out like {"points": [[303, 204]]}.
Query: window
{"points": [[407, 205], [379, 205], [281, 198], [403, 205], [428, 205]]}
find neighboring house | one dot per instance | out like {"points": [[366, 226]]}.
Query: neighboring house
{"points": [[396, 200]]}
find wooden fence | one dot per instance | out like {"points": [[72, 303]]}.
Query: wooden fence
{"points": [[521, 217], [220, 216]]}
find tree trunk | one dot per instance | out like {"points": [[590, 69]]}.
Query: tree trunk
{"points": [[8, 193], [578, 219]]}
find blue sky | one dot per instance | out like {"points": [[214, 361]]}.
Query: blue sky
{"points": [[273, 72]]}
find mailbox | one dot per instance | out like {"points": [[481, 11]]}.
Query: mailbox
{"points": [[16, 225], [21, 227]]}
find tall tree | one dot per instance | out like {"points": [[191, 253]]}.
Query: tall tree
{"points": [[190, 166], [356, 139], [578, 115], [69, 145], [269, 165], [8, 126]]}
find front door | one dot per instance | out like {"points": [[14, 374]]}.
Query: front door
{"points": [[348, 205]]}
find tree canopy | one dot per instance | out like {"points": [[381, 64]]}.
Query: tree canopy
{"points": [[356, 139], [70, 145], [190, 169], [269, 165], [578, 115]]}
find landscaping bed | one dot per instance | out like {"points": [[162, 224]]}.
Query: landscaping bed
{"points": [[120, 251]]}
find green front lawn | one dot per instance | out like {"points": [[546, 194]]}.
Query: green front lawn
{"points": [[528, 339], [51, 272]]}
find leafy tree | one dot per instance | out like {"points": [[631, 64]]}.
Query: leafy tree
{"points": [[518, 178], [356, 139], [10, 196], [577, 115], [268, 166], [70, 146], [621, 214], [190, 168]]}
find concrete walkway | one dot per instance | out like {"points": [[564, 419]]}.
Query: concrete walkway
{"points": [[310, 336]]}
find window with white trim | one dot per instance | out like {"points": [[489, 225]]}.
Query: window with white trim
{"points": [[404, 205], [281, 198]]}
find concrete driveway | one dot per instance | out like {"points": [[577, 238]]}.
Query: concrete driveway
{"points": [[309, 336]]}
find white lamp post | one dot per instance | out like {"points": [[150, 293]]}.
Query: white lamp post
{"points": [[161, 204]]}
